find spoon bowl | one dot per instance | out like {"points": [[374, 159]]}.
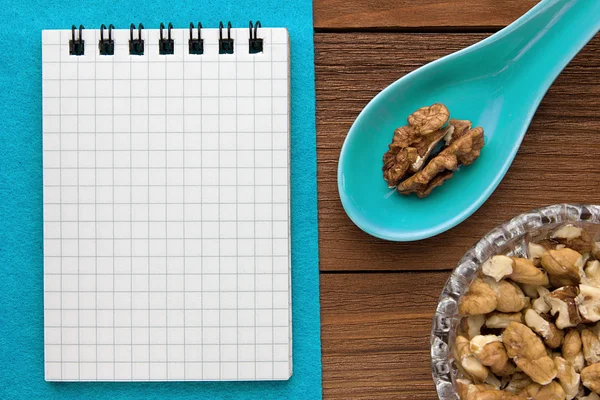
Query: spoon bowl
{"points": [[497, 83]]}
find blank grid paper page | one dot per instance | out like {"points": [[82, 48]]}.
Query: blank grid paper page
{"points": [[166, 209]]}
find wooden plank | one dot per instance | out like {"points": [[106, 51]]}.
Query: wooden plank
{"points": [[375, 334], [394, 14], [556, 163]]}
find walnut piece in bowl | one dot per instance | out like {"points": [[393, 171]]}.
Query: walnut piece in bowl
{"points": [[519, 317]]}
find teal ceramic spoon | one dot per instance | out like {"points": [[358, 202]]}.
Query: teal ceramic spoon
{"points": [[497, 83]]}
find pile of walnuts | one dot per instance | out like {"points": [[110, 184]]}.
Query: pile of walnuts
{"points": [[412, 165], [530, 326]]}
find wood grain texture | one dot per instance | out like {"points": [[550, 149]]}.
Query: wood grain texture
{"points": [[391, 14], [375, 334], [558, 160]]}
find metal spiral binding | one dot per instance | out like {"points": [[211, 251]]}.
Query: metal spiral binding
{"points": [[225, 45], [106, 46], [76, 46], [255, 43], [136, 46], [166, 46], [196, 46]]}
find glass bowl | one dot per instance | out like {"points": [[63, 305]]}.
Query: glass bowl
{"points": [[510, 239]]}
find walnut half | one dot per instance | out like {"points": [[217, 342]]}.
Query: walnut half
{"points": [[463, 151], [410, 164]]}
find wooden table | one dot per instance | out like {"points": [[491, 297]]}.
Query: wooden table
{"points": [[377, 297]]}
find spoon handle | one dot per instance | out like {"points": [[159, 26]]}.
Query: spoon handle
{"points": [[542, 42]]}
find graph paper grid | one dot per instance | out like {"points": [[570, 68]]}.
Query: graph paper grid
{"points": [[166, 209]]}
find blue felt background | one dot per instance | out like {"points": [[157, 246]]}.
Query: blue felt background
{"points": [[21, 259]]}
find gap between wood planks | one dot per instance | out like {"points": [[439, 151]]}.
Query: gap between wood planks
{"points": [[384, 271], [411, 29]]}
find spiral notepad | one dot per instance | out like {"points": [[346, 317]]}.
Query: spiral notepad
{"points": [[166, 204]]}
